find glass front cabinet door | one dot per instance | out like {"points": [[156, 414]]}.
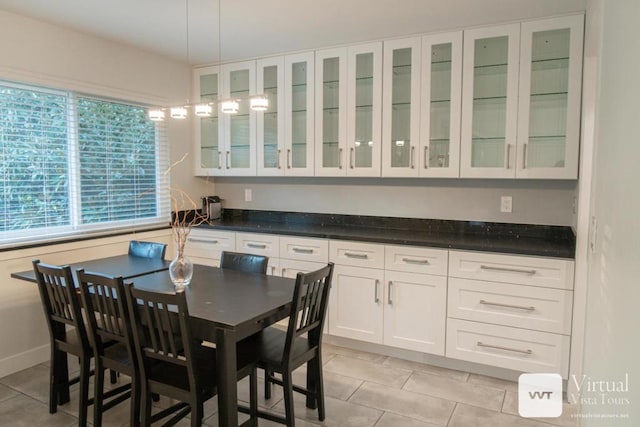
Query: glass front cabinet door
{"points": [[299, 116], [401, 107], [239, 129], [490, 102], [270, 123], [208, 132], [549, 98], [440, 100]]}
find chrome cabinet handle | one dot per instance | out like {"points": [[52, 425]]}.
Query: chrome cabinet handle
{"points": [[256, 246], [351, 156], [505, 269], [302, 250], [283, 270], [416, 261], [273, 270], [426, 157], [524, 156], [499, 304], [376, 299], [340, 158], [195, 239], [389, 301], [228, 159], [412, 157], [508, 156], [219, 159], [279, 152], [355, 255], [499, 347], [288, 158]]}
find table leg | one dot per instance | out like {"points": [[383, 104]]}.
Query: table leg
{"points": [[227, 378]]}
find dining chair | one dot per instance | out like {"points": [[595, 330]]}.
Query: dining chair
{"points": [[172, 363], [284, 351], [147, 249], [62, 308], [110, 335], [244, 262]]}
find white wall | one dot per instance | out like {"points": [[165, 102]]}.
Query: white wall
{"points": [[534, 202], [612, 342]]}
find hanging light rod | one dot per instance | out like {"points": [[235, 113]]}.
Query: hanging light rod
{"points": [[205, 109]]}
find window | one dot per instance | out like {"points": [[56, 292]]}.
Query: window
{"points": [[71, 163]]}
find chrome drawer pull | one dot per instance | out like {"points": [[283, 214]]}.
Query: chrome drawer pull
{"points": [[375, 296], [303, 250], [194, 239], [498, 304], [499, 347], [273, 270], [339, 158], [389, 301], [510, 270], [256, 246], [279, 152], [416, 261], [355, 255]]}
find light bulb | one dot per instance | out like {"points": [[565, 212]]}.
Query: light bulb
{"points": [[203, 110], [400, 143], [259, 103], [156, 115], [230, 107], [178, 113], [370, 143]]}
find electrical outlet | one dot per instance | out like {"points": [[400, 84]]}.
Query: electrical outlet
{"points": [[248, 196], [506, 204]]}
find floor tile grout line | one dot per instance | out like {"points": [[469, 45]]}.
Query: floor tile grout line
{"points": [[451, 415]]}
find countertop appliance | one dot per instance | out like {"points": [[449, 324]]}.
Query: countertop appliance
{"points": [[212, 207]]}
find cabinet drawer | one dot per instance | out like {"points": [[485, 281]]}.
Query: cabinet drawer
{"points": [[523, 270], [414, 259], [542, 309], [304, 249], [258, 244], [357, 254], [209, 243], [510, 348], [290, 268]]}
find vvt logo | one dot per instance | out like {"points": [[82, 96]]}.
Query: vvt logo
{"points": [[540, 395]]}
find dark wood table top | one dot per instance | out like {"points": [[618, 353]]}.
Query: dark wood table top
{"points": [[228, 299], [120, 265]]}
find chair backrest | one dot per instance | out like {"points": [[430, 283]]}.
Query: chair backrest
{"points": [[161, 331], [147, 249], [309, 308], [244, 262], [106, 310], [60, 300]]}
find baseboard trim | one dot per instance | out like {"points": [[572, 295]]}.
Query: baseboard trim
{"points": [[24, 360]]}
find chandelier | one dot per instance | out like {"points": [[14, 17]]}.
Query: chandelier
{"points": [[227, 106]]}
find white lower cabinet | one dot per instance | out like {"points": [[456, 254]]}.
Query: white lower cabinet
{"points": [[204, 246], [415, 311]]}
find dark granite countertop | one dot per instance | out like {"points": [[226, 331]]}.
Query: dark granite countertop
{"points": [[540, 240]]}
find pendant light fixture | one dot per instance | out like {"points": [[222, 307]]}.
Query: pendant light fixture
{"points": [[227, 106]]}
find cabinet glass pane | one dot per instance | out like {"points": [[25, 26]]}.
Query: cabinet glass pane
{"points": [[209, 143], [330, 112], [440, 105], [299, 115], [270, 79], [548, 101], [401, 108], [239, 87], [489, 102], [364, 111]]}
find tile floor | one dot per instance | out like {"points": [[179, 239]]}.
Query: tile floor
{"points": [[361, 389]]}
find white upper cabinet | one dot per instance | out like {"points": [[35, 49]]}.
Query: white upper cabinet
{"points": [[440, 107], [401, 107], [331, 112], [239, 130], [490, 102], [299, 116], [270, 123], [549, 110], [207, 87]]}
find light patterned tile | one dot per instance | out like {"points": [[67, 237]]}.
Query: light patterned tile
{"points": [[358, 354], [467, 416], [567, 419], [33, 382], [7, 393], [23, 411], [457, 391], [392, 420], [493, 382], [401, 402], [367, 371], [335, 385], [424, 367]]}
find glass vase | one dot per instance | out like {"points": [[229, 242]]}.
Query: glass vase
{"points": [[181, 270]]}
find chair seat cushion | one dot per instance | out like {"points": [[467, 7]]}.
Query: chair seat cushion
{"points": [[176, 376], [118, 353], [270, 343]]}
